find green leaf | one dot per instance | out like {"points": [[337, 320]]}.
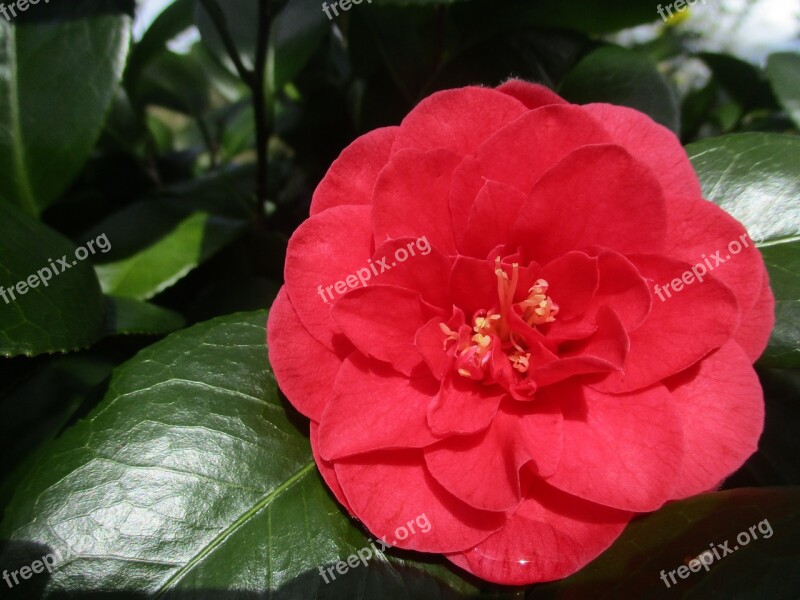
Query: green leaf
{"points": [[783, 71], [50, 116], [619, 76], [764, 567], [129, 316], [194, 239], [189, 477], [175, 19], [754, 177], [65, 312], [744, 82], [175, 81]]}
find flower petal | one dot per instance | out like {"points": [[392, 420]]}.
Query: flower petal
{"points": [[304, 368], [326, 469], [410, 199], [322, 253], [532, 95], [457, 120], [388, 491], [382, 321], [520, 153], [655, 145], [680, 329], [595, 190], [622, 451], [756, 325], [463, 406], [721, 404], [375, 408], [551, 535], [491, 219], [352, 176], [520, 434]]}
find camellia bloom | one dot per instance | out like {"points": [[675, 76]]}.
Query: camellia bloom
{"points": [[571, 345]]}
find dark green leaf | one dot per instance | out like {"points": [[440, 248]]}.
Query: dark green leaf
{"points": [[619, 76], [764, 567], [783, 70], [176, 18], [129, 316], [62, 314], [189, 477], [754, 177], [194, 239], [50, 116]]}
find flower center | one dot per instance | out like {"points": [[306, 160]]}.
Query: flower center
{"points": [[492, 337]]}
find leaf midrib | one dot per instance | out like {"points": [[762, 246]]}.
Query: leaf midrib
{"points": [[18, 154], [225, 533]]}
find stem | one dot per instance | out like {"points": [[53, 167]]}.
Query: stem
{"points": [[260, 109], [256, 82], [221, 25]]}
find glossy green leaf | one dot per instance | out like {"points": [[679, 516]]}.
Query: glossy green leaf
{"points": [[764, 566], [50, 117], [783, 70], [193, 240], [754, 177], [63, 313], [129, 317], [190, 478], [619, 76]]}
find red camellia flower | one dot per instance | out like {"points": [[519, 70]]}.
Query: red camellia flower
{"points": [[519, 317]]}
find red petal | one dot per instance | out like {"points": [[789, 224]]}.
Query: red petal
{"points": [[532, 95], [423, 271], [322, 252], [679, 330], [304, 368], [381, 321], [410, 198], [653, 144], [720, 402], [457, 120], [463, 406], [621, 451], [491, 219], [520, 153], [352, 176], [375, 408], [326, 469], [623, 289], [603, 351], [551, 535], [519, 435], [698, 229], [390, 491], [573, 280], [756, 325], [596, 196]]}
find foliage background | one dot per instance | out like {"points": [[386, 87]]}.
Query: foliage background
{"points": [[143, 436]]}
